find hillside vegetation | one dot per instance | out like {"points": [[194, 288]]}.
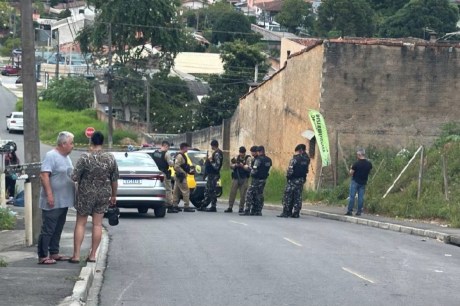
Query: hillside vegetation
{"points": [[435, 202]]}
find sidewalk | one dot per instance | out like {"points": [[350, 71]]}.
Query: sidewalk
{"points": [[24, 282]]}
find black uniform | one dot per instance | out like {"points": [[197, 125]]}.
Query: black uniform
{"points": [[212, 170], [296, 178]]}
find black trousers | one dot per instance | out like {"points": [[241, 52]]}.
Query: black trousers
{"points": [[50, 235], [10, 186]]}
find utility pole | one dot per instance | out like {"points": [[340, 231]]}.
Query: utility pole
{"points": [[58, 56], [147, 116], [109, 89], [30, 108]]}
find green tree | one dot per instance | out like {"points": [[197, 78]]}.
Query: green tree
{"points": [[171, 102], [232, 26], [294, 14], [64, 14], [72, 93], [419, 16], [136, 23], [345, 18], [240, 60]]}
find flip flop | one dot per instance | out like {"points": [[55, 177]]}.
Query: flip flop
{"points": [[90, 260], [60, 257], [74, 261], [46, 261]]}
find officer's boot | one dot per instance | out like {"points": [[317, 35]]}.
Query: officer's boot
{"points": [[295, 214], [202, 207]]}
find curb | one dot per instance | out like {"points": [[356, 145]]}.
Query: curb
{"points": [[446, 238], [85, 279]]}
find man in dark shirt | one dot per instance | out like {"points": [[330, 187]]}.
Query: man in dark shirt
{"points": [[360, 173]]}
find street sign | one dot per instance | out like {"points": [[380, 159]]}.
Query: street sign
{"points": [[89, 132]]}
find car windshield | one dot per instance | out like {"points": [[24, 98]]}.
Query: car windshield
{"points": [[134, 160], [17, 116], [197, 157]]}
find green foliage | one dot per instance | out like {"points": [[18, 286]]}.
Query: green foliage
{"points": [[9, 45], [171, 102], [71, 93], [240, 60], [7, 219], [233, 26], [52, 120], [294, 14], [348, 17], [420, 16], [64, 14], [3, 263], [135, 23], [450, 132]]}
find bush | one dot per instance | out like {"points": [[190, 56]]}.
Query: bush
{"points": [[71, 93], [7, 219]]}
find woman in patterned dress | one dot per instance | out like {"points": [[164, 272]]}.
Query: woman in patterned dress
{"points": [[96, 174]]}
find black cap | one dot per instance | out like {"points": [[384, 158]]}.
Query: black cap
{"points": [[260, 149], [214, 143], [253, 149], [242, 150]]}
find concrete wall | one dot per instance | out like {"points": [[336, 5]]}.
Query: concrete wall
{"points": [[389, 95], [370, 93]]}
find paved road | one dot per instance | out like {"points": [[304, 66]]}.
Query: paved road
{"points": [[225, 259]]}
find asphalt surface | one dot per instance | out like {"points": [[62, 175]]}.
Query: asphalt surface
{"points": [[226, 259]]}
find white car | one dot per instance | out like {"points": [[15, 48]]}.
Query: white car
{"points": [[15, 122]]}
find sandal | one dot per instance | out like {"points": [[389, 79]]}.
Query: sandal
{"points": [[90, 260], [46, 261], [74, 261], [58, 257]]}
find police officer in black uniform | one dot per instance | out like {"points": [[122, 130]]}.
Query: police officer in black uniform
{"points": [[163, 160], [296, 178], [212, 169], [259, 174]]}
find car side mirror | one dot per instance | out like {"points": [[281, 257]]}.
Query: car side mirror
{"points": [[9, 116]]}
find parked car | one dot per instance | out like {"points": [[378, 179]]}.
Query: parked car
{"points": [[197, 181], [140, 184], [19, 80], [10, 70], [15, 122]]}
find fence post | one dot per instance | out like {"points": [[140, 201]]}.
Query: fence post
{"points": [[28, 212], [2, 190], [420, 175]]}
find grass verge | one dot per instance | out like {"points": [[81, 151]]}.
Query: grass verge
{"points": [[53, 120], [7, 219]]}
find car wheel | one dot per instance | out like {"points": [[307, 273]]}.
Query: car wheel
{"points": [[160, 212], [219, 192], [143, 210]]}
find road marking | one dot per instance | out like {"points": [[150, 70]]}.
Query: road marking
{"points": [[358, 275], [292, 241], [241, 223]]}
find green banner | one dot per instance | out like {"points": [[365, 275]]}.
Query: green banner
{"points": [[319, 126]]}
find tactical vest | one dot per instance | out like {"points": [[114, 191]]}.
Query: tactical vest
{"points": [[160, 159], [185, 166], [301, 166], [265, 164], [208, 166], [240, 172]]}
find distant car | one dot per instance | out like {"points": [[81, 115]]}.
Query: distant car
{"points": [[19, 80], [10, 70], [15, 122], [141, 183]]}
